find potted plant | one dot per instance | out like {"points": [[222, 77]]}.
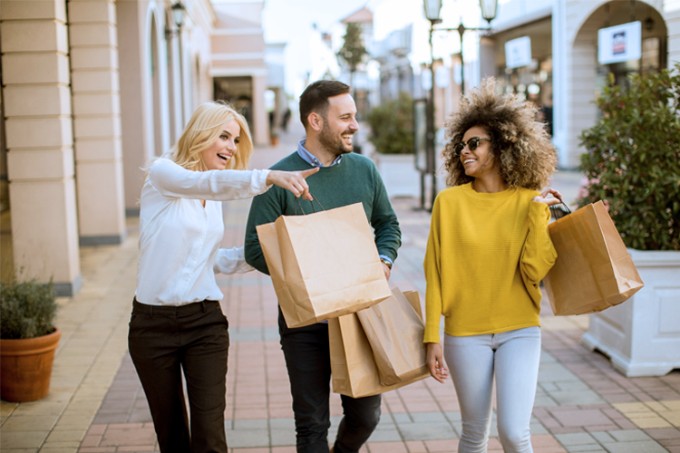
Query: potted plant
{"points": [[633, 164], [391, 134], [274, 137], [28, 340]]}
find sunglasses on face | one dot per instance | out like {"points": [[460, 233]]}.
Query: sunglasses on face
{"points": [[472, 144]]}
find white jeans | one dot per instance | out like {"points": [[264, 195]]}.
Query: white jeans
{"points": [[512, 358]]}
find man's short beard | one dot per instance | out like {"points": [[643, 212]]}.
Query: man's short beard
{"points": [[336, 146]]}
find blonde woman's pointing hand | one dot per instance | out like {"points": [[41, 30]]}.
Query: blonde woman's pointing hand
{"points": [[293, 181]]}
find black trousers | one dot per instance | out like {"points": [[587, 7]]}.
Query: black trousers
{"points": [[309, 370], [193, 339]]}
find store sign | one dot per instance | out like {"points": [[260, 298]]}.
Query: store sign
{"points": [[518, 52], [619, 43]]}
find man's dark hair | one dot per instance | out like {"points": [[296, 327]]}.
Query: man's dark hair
{"points": [[315, 97]]}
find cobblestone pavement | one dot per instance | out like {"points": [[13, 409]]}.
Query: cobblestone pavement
{"points": [[96, 403]]}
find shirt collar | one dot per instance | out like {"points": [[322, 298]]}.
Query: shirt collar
{"points": [[311, 158]]}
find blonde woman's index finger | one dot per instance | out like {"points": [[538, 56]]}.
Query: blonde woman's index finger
{"points": [[311, 171]]}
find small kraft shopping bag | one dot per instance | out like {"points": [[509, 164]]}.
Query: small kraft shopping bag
{"points": [[353, 367], [323, 264], [395, 334], [593, 270]]}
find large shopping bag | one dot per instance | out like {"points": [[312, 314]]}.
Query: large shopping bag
{"points": [[593, 269], [395, 334], [353, 368], [323, 264]]}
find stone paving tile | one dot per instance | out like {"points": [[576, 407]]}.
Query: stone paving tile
{"points": [[573, 417]]}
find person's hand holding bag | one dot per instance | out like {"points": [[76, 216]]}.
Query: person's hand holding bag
{"points": [[546, 197]]}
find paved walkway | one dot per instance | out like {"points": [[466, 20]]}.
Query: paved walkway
{"points": [[96, 403]]}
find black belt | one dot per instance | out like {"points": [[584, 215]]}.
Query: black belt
{"points": [[176, 310]]}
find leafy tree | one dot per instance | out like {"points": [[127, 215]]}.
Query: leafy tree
{"points": [[633, 159], [353, 51]]}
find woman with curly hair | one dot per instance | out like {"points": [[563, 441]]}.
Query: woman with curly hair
{"points": [[487, 251], [177, 327]]}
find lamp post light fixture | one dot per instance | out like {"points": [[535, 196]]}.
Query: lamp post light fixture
{"points": [[178, 11], [489, 9], [432, 9]]}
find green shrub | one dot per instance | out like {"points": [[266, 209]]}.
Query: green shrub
{"points": [[27, 309], [633, 159], [392, 126]]}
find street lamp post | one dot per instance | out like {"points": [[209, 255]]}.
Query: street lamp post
{"points": [[432, 9], [432, 13]]}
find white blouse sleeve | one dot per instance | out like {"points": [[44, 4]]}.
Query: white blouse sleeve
{"points": [[231, 261], [172, 180]]}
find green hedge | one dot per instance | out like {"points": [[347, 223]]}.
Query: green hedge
{"points": [[633, 159], [392, 126]]}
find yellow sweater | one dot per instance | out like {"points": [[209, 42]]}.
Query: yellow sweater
{"points": [[486, 255]]}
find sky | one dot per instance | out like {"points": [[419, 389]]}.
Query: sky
{"points": [[291, 21]]}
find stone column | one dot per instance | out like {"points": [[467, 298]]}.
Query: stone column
{"points": [[35, 65], [260, 121], [96, 117]]}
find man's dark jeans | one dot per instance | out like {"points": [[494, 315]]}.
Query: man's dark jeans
{"points": [[309, 370]]}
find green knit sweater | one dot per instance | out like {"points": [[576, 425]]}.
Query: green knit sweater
{"points": [[355, 179]]}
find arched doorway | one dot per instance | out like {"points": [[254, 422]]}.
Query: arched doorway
{"points": [[588, 76]]}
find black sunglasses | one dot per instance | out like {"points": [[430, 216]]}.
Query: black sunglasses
{"points": [[472, 145]]}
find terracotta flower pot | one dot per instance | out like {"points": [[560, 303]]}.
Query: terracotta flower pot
{"points": [[26, 367]]}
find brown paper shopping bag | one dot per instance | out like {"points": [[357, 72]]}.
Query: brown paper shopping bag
{"points": [[395, 335], [593, 270], [323, 264], [353, 368]]}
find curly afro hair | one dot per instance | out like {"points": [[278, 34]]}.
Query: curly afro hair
{"points": [[518, 140]]}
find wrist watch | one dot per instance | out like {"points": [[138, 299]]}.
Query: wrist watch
{"points": [[386, 262]]}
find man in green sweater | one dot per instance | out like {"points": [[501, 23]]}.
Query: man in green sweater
{"points": [[328, 114]]}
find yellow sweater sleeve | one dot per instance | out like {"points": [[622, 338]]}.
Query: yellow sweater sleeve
{"points": [[538, 253], [486, 255]]}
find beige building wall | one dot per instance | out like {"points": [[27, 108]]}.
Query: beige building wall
{"points": [[96, 117], [583, 20], [672, 15], [575, 28], [144, 91], [199, 59], [35, 62], [136, 138], [93, 90], [164, 75], [238, 50]]}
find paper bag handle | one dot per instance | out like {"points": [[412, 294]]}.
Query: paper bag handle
{"points": [[559, 210], [302, 210]]}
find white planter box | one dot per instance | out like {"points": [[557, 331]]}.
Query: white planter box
{"points": [[642, 335], [399, 174]]}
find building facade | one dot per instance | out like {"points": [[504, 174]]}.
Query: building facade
{"points": [[92, 90], [566, 69], [547, 51]]}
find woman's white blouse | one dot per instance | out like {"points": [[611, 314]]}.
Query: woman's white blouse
{"points": [[179, 239]]}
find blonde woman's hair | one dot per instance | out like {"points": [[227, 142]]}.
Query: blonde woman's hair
{"points": [[204, 128], [519, 140]]}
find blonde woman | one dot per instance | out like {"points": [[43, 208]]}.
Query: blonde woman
{"points": [[177, 327], [487, 252]]}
